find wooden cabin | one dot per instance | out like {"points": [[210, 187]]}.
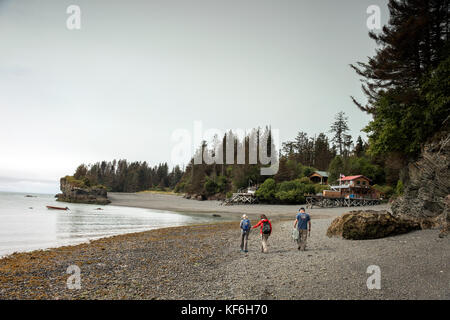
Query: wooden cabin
{"points": [[357, 187], [319, 177], [358, 180]]}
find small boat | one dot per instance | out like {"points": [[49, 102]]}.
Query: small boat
{"points": [[57, 208]]}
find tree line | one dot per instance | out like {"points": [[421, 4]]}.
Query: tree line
{"points": [[124, 176], [298, 159]]}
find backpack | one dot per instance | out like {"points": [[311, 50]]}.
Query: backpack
{"points": [[245, 225], [266, 227]]}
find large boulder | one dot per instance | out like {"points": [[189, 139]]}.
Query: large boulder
{"points": [[370, 224]]}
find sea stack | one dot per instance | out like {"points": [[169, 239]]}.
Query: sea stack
{"points": [[75, 191]]}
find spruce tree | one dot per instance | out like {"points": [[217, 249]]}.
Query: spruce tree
{"points": [[339, 128]]}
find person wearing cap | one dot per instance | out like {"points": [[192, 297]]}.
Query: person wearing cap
{"points": [[245, 231], [303, 223]]}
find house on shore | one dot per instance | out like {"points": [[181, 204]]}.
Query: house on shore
{"points": [[352, 191], [319, 177], [355, 187]]}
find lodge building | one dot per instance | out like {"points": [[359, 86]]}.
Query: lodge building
{"points": [[355, 187]]}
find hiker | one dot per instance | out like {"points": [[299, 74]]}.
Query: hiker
{"points": [[245, 231], [265, 231], [302, 222]]}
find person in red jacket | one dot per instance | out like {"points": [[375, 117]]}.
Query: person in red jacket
{"points": [[265, 231]]}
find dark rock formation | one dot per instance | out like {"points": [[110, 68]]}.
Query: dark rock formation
{"points": [[199, 197], [370, 224], [203, 197], [75, 194], [427, 186], [217, 196], [446, 219]]}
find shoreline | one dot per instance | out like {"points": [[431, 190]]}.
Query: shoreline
{"points": [[204, 262], [176, 203]]}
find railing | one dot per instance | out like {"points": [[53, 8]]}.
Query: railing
{"points": [[327, 202]]}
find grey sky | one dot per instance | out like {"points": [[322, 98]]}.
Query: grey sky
{"points": [[138, 70]]}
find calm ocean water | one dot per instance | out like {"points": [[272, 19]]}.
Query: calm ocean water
{"points": [[26, 224]]}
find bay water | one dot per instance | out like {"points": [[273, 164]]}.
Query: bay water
{"points": [[26, 224]]}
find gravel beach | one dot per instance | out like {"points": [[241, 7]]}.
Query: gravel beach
{"points": [[179, 204], [204, 262]]}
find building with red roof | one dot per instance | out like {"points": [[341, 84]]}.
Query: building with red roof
{"points": [[357, 186]]}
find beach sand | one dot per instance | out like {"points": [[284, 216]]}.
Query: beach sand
{"points": [[204, 262], [179, 204]]}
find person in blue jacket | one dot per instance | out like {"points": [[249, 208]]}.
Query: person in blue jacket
{"points": [[245, 231]]}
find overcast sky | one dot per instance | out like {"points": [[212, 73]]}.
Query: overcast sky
{"points": [[138, 70]]}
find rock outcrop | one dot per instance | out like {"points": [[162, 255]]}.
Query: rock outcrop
{"points": [[202, 197], [73, 192], [427, 186], [446, 219], [370, 224]]}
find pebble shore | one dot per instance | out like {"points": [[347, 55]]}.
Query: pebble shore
{"points": [[204, 262]]}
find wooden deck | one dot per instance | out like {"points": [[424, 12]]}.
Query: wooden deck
{"points": [[311, 201], [240, 198], [327, 202]]}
